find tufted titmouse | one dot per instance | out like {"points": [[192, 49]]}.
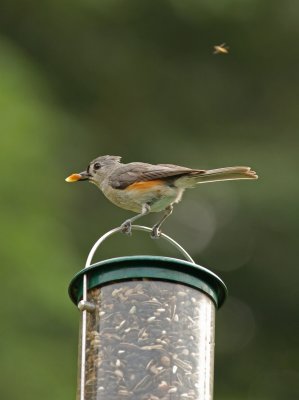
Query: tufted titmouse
{"points": [[145, 188]]}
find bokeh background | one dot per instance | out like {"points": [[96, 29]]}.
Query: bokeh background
{"points": [[79, 79]]}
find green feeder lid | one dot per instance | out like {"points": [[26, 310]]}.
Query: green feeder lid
{"points": [[155, 267]]}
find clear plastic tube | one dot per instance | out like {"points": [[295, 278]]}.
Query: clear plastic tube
{"points": [[149, 339]]}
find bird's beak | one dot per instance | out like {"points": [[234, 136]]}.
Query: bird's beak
{"points": [[82, 176]]}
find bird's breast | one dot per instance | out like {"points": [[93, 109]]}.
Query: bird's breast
{"points": [[157, 194]]}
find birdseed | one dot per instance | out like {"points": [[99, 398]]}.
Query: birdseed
{"points": [[149, 340]]}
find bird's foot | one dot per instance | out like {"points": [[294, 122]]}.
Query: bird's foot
{"points": [[126, 228], [156, 232]]}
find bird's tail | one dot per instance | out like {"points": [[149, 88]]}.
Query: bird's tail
{"points": [[215, 175]]}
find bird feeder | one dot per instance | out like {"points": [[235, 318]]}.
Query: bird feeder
{"points": [[147, 328]]}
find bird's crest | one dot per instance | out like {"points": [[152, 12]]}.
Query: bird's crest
{"points": [[106, 160]]}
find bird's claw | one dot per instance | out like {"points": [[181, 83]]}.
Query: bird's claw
{"points": [[156, 232], [126, 228]]}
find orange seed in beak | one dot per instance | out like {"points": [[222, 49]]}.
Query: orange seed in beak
{"points": [[73, 178]]}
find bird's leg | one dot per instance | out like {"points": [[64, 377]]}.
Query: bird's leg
{"points": [[156, 232], [126, 227]]}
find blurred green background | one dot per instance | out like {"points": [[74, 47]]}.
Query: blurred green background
{"points": [[79, 79]]}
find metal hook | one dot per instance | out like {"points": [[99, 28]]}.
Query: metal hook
{"points": [[138, 228]]}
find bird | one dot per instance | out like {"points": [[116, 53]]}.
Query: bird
{"points": [[148, 188], [221, 49]]}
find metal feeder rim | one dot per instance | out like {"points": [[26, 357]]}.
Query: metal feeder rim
{"points": [[155, 267]]}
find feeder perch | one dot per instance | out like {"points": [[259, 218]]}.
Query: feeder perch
{"points": [[148, 327]]}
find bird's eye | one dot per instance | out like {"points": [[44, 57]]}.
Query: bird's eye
{"points": [[97, 166]]}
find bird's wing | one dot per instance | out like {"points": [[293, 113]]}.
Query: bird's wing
{"points": [[129, 174]]}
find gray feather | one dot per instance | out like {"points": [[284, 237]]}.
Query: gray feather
{"points": [[128, 174]]}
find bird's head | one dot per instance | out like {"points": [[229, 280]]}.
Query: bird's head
{"points": [[97, 170]]}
